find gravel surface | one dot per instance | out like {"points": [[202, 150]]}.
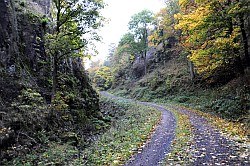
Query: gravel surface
{"points": [[154, 151], [211, 147]]}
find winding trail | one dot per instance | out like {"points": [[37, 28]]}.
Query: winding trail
{"points": [[154, 151], [209, 146]]}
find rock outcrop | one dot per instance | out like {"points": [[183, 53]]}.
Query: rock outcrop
{"points": [[25, 83]]}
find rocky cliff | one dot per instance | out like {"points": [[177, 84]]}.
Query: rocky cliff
{"points": [[25, 84]]}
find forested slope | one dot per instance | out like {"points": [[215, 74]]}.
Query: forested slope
{"points": [[191, 52]]}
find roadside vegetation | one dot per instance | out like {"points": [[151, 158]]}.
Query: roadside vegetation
{"points": [[171, 84], [125, 129], [131, 126]]}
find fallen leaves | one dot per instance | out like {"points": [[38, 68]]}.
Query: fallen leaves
{"points": [[180, 153], [211, 146]]}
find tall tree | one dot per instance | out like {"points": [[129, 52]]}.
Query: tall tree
{"points": [[75, 28], [241, 10], [138, 26], [164, 32]]}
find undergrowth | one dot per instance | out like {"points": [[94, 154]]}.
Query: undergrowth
{"points": [[127, 126], [53, 154], [126, 135]]}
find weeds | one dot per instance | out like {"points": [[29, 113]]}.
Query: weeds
{"points": [[124, 137], [180, 154]]}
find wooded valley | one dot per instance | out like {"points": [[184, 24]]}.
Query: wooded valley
{"points": [[179, 79]]}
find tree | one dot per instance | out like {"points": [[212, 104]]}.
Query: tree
{"points": [[138, 25], [111, 51], [164, 32], [211, 35], [75, 28], [102, 78], [241, 10]]}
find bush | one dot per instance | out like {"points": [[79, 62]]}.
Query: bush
{"points": [[227, 107], [181, 99], [30, 110]]}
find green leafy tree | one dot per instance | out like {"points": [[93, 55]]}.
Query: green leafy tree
{"points": [[103, 78], [75, 28], [138, 26]]}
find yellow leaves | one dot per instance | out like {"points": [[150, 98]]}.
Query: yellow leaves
{"points": [[131, 58], [154, 39], [183, 2], [178, 16], [211, 42]]}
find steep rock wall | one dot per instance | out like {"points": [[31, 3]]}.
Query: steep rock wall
{"points": [[25, 84]]}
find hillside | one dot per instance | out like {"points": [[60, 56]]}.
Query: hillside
{"points": [[184, 54], [171, 83]]}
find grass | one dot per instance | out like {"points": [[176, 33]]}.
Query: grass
{"points": [[231, 129], [125, 136], [127, 130], [53, 154], [179, 154], [223, 108]]}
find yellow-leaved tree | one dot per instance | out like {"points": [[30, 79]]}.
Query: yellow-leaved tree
{"points": [[210, 34]]}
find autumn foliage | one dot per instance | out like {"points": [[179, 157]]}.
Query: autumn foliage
{"points": [[213, 34]]}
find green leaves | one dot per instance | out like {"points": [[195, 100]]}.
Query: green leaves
{"points": [[127, 135], [138, 26], [139, 20], [76, 25], [75, 29], [102, 78]]}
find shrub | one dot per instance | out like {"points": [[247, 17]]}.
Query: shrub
{"points": [[182, 99], [229, 107]]}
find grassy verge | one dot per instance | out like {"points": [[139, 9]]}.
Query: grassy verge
{"points": [[220, 107], [179, 154], [128, 127], [53, 154], [231, 129], [126, 135]]}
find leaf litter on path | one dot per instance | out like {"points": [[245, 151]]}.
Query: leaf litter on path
{"points": [[211, 147]]}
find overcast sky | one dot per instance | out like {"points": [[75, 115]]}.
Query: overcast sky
{"points": [[119, 12]]}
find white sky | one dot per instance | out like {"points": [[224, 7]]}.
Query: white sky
{"points": [[119, 12]]}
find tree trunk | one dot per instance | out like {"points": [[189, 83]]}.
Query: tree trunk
{"points": [[191, 69], [54, 78], [244, 38], [56, 55], [145, 63]]}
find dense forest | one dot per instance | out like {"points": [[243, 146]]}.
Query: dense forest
{"points": [[190, 60]]}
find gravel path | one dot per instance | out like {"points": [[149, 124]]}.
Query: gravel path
{"points": [[210, 147], [154, 151]]}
